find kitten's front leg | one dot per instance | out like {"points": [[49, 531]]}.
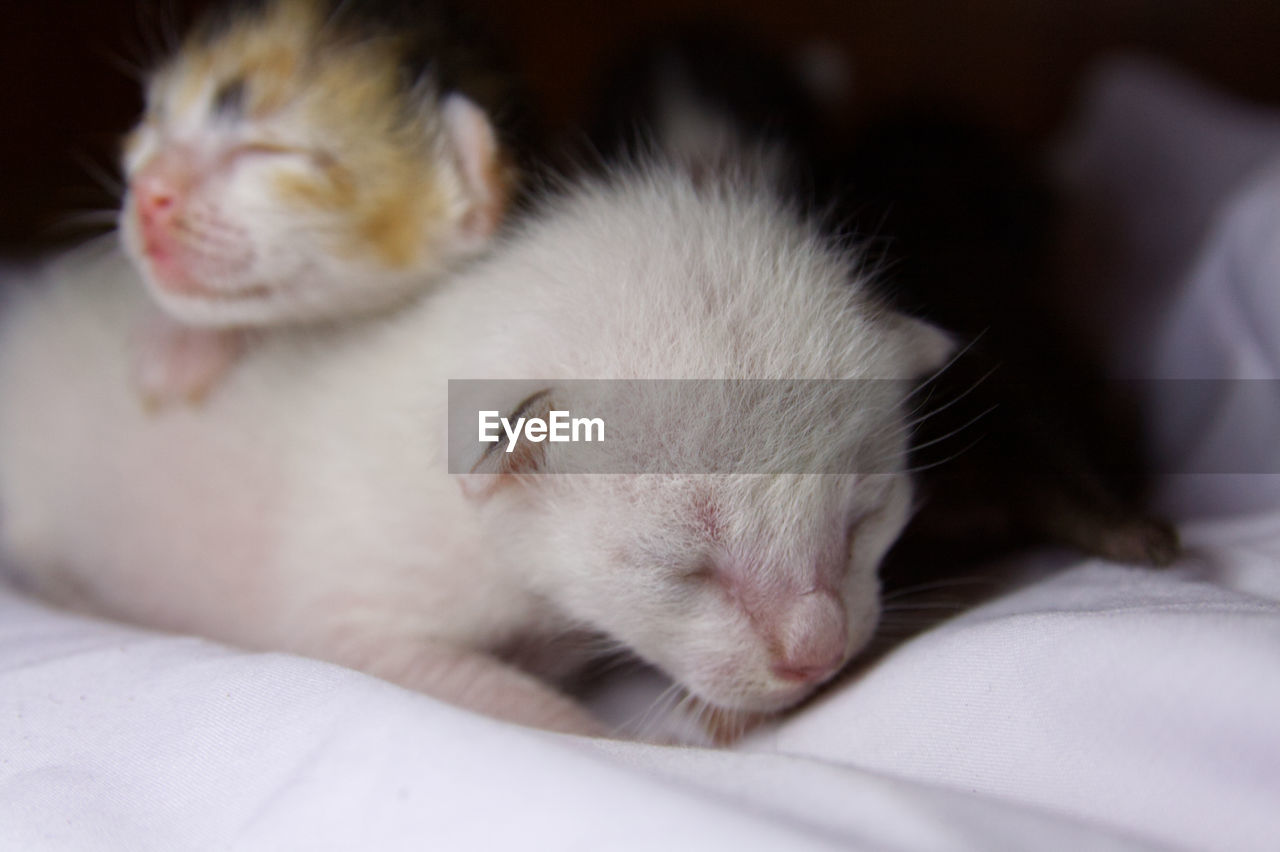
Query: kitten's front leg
{"points": [[480, 682], [181, 363]]}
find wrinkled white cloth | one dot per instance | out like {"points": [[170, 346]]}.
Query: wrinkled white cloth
{"points": [[1097, 706]]}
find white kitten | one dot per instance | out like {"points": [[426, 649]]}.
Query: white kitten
{"points": [[307, 508]]}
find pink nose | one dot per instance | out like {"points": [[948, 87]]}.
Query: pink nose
{"points": [[812, 635], [155, 195]]}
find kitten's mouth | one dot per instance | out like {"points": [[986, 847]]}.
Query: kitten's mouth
{"points": [[762, 704], [722, 725], [170, 269]]}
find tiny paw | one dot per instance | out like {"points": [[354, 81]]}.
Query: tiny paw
{"points": [[180, 364], [1144, 541]]}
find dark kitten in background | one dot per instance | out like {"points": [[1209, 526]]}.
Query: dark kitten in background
{"points": [[1024, 443], [1018, 442]]}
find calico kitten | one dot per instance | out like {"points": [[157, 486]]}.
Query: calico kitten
{"points": [[1023, 443], [301, 161]]}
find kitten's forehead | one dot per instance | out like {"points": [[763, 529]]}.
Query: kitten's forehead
{"points": [[286, 53], [268, 46], [416, 39]]}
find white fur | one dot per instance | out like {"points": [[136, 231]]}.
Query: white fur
{"points": [[307, 507]]}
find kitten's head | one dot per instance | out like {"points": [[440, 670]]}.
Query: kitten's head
{"points": [[291, 165], [729, 525], [743, 560]]}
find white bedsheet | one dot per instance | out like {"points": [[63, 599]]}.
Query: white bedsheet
{"points": [[1098, 706]]}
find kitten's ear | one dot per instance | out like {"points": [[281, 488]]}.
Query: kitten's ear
{"points": [[486, 176], [926, 346], [497, 468]]}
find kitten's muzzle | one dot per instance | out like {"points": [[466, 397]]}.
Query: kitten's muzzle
{"points": [[811, 639]]}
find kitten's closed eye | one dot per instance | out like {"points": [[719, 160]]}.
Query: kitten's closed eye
{"points": [[272, 150], [230, 99], [700, 572]]}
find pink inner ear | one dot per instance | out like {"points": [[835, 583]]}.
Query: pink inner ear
{"points": [[478, 486], [475, 144], [497, 467]]}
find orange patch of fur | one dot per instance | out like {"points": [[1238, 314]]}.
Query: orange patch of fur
{"points": [[268, 48], [394, 230], [359, 88], [334, 190], [378, 168]]}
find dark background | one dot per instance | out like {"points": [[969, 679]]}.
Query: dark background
{"points": [[1010, 64]]}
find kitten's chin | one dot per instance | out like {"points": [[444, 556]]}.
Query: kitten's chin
{"points": [[189, 301], [726, 723], [170, 275], [731, 698], [242, 309], [174, 283]]}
